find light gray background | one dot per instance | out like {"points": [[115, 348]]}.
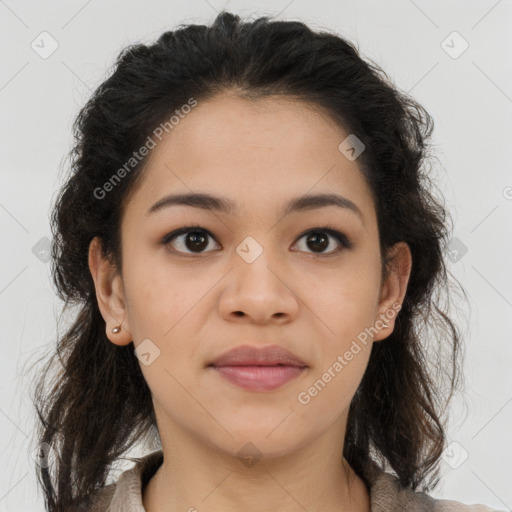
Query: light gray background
{"points": [[470, 98]]}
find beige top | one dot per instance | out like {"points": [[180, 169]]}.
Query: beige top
{"points": [[386, 495]]}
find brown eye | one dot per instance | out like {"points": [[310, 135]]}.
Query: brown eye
{"points": [[194, 240], [318, 240]]}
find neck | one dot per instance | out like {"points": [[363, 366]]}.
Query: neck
{"points": [[314, 478]]}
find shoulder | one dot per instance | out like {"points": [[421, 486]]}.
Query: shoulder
{"points": [[126, 492], [103, 498], [99, 501], [388, 495], [457, 506]]}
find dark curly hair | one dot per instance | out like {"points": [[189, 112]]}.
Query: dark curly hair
{"points": [[99, 406]]}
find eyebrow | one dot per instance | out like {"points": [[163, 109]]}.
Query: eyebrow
{"points": [[224, 205]]}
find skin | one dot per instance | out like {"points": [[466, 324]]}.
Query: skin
{"points": [[312, 300]]}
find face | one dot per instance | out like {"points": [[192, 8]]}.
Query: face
{"points": [[306, 279]]}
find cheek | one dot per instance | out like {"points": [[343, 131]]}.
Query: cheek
{"points": [[162, 305], [157, 297], [351, 308], [327, 394], [164, 308], [345, 303]]}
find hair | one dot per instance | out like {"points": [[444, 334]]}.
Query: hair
{"points": [[98, 405]]}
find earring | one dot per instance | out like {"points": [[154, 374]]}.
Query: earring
{"points": [[385, 325], [115, 330]]}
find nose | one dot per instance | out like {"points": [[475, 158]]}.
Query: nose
{"points": [[258, 292]]}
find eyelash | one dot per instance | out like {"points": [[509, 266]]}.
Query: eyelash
{"points": [[328, 229]]}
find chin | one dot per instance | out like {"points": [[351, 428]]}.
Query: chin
{"points": [[258, 443]]}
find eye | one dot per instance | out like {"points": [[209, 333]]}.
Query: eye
{"points": [[195, 239], [318, 239]]}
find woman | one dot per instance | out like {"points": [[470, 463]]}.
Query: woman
{"points": [[255, 251]]}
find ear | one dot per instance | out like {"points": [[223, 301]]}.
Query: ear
{"points": [[109, 293], [393, 289]]}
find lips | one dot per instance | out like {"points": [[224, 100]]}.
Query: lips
{"points": [[245, 355], [258, 369]]}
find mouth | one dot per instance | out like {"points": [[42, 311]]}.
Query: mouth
{"points": [[247, 355], [258, 369], [259, 377]]}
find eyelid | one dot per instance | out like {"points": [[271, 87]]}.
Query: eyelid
{"points": [[328, 228]]}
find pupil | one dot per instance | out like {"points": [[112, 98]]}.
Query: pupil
{"points": [[317, 236], [195, 237]]}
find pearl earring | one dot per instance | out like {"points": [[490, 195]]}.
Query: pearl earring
{"points": [[115, 330]]}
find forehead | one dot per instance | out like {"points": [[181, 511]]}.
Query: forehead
{"points": [[227, 126], [262, 151]]}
